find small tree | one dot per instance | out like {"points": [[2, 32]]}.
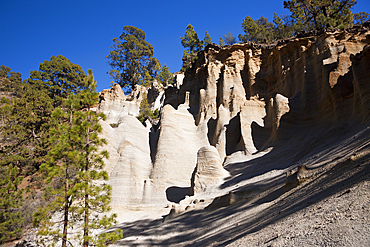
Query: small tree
{"points": [[257, 31], [192, 46], [229, 38], [131, 58], [261, 30], [74, 171], [165, 77], [251, 30], [93, 199], [145, 110], [207, 39], [9, 80], [60, 169], [222, 42], [11, 199]]}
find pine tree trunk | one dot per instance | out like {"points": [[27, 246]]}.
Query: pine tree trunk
{"points": [[86, 217], [66, 187], [66, 209]]}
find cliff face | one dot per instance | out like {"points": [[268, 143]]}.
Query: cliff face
{"points": [[322, 78], [292, 97]]}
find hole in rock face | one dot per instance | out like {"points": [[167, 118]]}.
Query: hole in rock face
{"points": [[153, 143], [176, 194], [260, 135], [233, 135], [211, 126], [344, 86]]}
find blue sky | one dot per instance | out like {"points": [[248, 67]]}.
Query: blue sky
{"points": [[82, 31]]}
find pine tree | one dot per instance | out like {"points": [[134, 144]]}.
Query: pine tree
{"points": [[259, 30], [59, 77], [165, 76], [222, 42], [229, 38], [192, 46], [285, 27], [61, 168], [92, 199], [9, 80], [25, 128], [132, 59], [11, 200], [145, 110], [80, 197], [321, 14], [207, 39], [27, 121]]}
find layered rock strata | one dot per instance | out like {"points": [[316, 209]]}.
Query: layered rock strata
{"points": [[115, 104], [238, 100], [315, 77]]}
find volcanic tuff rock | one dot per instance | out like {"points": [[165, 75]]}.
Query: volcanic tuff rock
{"points": [[115, 104], [319, 77], [209, 170], [242, 102]]}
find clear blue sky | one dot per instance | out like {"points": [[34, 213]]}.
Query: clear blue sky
{"points": [[82, 31]]}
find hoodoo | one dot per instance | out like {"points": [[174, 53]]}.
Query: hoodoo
{"points": [[244, 119]]}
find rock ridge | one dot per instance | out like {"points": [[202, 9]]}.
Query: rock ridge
{"points": [[236, 105]]}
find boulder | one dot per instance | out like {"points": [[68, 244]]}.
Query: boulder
{"points": [[208, 171]]}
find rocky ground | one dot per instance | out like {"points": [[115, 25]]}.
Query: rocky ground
{"points": [[333, 210], [331, 207]]}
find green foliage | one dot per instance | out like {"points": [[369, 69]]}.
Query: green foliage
{"points": [[114, 125], [165, 76], [9, 80], [5, 100], [306, 16], [321, 14], [93, 199], [257, 31], [27, 121], [192, 46], [11, 200], [284, 27], [72, 170], [145, 110], [60, 170], [222, 42], [229, 38], [261, 30], [4, 71], [207, 39], [59, 77], [361, 18], [25, 129], [131, 59]]}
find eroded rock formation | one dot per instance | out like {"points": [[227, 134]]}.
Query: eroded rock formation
{"points": [[239, 99], [115, 104], [209, 170], [319, 77]]}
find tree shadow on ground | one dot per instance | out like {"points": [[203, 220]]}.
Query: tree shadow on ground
{"points": [[213, 227], [308, 145]]}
